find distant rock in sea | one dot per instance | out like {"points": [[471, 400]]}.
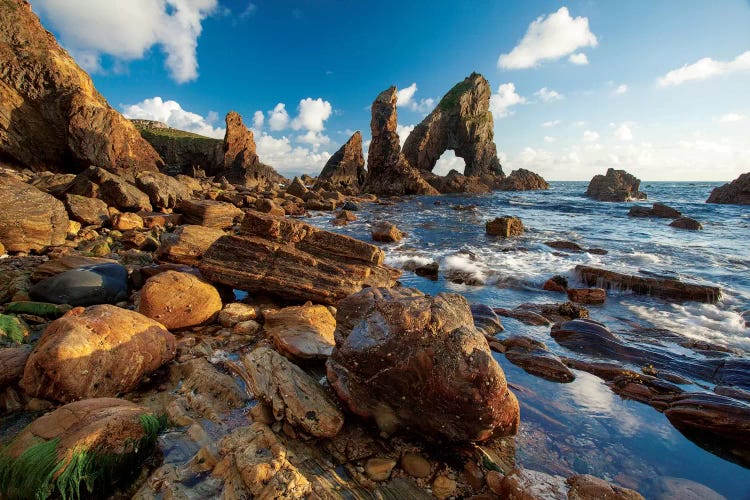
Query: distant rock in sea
{"points": [[736, 192], [616, 185]]}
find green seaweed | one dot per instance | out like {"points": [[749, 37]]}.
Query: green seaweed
{"points": [[44, 309], [12, 328]]}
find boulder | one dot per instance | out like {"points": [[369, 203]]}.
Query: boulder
{"points": [[12, 361], [95, 352], [88, 446], [658, 210], [87, 211], [736, 192], [302, 331], [241, 162], [587, 487], [296, 188], [686, 223], [534, 357], [504, 227], [714, 414], [29, 218], [386, 232], [401, 355], [521, 180], [388, 171], [568, 246], [163, 191], [114, 190], [179, 300], [237, 312], [52, 183], [292, 395], [666, 288], [105, 283], [616, 185], [346, 168], [127, 221], [269, 207], [294, 260], [187, 244], [209, 213], [587, 295]]}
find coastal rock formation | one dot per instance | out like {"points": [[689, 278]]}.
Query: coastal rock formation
{"points": [[736, 192], [210, 213], [182, 150], [686, 223], [179, 300], [521, 180], [187, 244], [462, 121], [241, 162], [29, 218], [51, 116], [616, 185], [657, 210], [163, 191], [346, 168], [95, 352], [294, 260], [301, 331], [388, 171], [115, 190], [401, 355], [504, 227], [87, 211]]}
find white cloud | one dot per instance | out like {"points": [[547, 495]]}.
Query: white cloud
{"points": [[549, 38], [127, 30], [531, 157], [315, 139], [590, 136], [278, 118], [704, 69], [171, 113], [548, 95], [578, 124], [579, 58], [549, 139], [287, 159], [551, 123], [623, 132], [621, 89], [732, 117], [258, 120], [405, 99], [449, 161], [312, 114], [403, 132], [505, 97]]}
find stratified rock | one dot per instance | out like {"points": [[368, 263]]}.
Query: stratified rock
{"points": [[386, 232], [179, 300], [210, 213], [88, 211], [666, 288], [241, 162], [51, 116], [711, 413], [302, 331], [686, 223], [587, 295], [388, 171], [29, 218], [521, 180], [736, 192], [291, 393], [187, 244], [616, 185], [105, 283], [126, 221], [504, 227], [95, 352], [163, 191], [346, 168], [462, 121], [401, 355], [95, 182], [294, 260], [534, 357]]}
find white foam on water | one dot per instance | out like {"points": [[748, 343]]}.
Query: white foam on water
{"points": [[641, 258], [464, 266], [407, 261]]}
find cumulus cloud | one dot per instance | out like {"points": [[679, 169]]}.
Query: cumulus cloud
{"points": [[286, 158], [449, 161], [405, 99], [278, 118], [548, 95], [403, 132], [171, 113], [531, 157], [258, 120], [579, 58], [312, 113], [704, 69], [590, 136], [127, 30], [504, 99], [623, 132], [551, 123], [732, 117], [621, 89], [549, 38]]}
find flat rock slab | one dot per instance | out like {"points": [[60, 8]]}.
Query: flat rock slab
{"points": [[187, 244], [209, 213]]}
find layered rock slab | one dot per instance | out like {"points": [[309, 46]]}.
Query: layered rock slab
{"points": [[294, 260], [401, 355]]}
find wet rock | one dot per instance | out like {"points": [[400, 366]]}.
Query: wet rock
{"points": [[658, 210], [302, 331], [89, 211], [207, 391], [415, 465], [534, 357], [713, 414], [587, 295], [528, 484], [29, 218], [504, 227], [521, 180], [105, 283], [456, 182], [677, 488], [98, 351], [525, 316], [295, 260], [236, 312], [114, 190], [428, 270], [292, 394], [568, 246], [486, 320], [241, 162], [350, 205], [666, 288], [586, 487], [209, 213], [379, 469], [127, 221], [346, 168], [686, 223], [556, 284], [179, 300], [616, 185], [736, 192], [163, 191], [401, 355], [552, 312], [386, 232], [187, 244], [12, 361]]}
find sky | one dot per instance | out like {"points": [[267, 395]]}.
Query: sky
{"points": [[660, 89]]}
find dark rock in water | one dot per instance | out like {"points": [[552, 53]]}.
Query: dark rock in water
{"points": [[485, 319], [736, 192], [346, 168], [587, 295], [401, 355], [686, 223], [556, 283], [428, 271], [504, 227], [456, 182], [544, 314], [85, 286], [522, 180], [524, 316], [350, 205], [534, 357], [616, 185], [658, 210], [666, 288], [746, 316], [568, 246]]}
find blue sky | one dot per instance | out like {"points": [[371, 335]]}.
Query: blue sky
{"points": [[582, 86]]}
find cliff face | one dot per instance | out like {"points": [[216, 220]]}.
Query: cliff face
{"points": [[736, 192], [241, 163], [462, 121], [181, 150], [346, 168], [51, 116]]}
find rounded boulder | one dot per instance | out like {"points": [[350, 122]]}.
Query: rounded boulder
{"points": [[179, 300]]}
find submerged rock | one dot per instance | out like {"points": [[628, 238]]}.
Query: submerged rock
{"points": [[29, 218], [736, 192], [346, 168], [658, 210], [105, 283], [401, 355], [686, 223], [616, 185], [534, 357]]}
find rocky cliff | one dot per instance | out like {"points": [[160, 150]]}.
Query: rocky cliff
{"points": [[241, 163], [736, 192], [182, 150], [346, 168], [51, 116]]}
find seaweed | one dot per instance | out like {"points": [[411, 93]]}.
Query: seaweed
{"points": [[12, 328], [43, 309]]}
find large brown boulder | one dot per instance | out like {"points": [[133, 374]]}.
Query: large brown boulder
{"points": [[294, 260], [388, 171], [462, 121], [163, 191], [504, 227], [616, 185], [302, 331], [346, 168], [51, 116], [88, 211], [736, 192], [409, 360], [187, 244], [115, 190], [241, 162], [29, 218], [99, 351], [179, 300], [209, 213]]}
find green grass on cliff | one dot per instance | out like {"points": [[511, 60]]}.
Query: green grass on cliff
{"points": [[450, 100], [162, 136]]}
